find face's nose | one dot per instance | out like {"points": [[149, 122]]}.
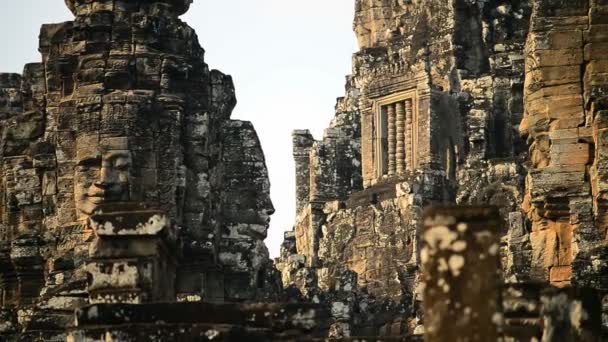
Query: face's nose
{"points": [[107, 177], [269, 206]]}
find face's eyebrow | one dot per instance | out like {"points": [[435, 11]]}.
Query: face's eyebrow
{"points": [[89, 160], [121, 161], [115, 154]]}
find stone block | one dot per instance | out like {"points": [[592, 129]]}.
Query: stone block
{"points": [[596, 33], [564, 136], [596, 51], [598, 15], [564, 233], [571, 89], [117, 274], [562, 8], [595, 69], [570, 154], [560, 275], [125, 223], [544, 248], [561, 57]]}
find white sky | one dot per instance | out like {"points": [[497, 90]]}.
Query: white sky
{"points": [[288, 59]]}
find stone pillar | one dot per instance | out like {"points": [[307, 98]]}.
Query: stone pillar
{"points": [[133, 257], [461, 272], [302, 143], [595, 94], [400, 149], [409, 136], [392, 140]]}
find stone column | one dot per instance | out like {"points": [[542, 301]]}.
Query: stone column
{"points": [[409, 135], [461, 272], [391, 136], [400, 149], [302, 144], [133, 259]]}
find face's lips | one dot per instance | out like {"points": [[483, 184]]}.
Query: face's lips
{"points": [[102, 197], [96, 199]]}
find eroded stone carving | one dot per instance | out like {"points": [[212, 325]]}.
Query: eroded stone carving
{"points": [[124, 180], [102, 173]]}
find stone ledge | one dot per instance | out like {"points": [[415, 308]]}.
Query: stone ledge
{"points": [[279, 317]]}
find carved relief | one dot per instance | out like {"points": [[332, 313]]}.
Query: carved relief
{"points": [[102, 172]]}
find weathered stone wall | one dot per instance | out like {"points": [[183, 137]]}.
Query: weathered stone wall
{"points": [[377, 241], [199, 322], [491, 69], [565, 94]]}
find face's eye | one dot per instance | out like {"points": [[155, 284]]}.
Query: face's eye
{"points": [[88, 164], [122, 164], [85, 175]]}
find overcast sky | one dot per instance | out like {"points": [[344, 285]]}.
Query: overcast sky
{"points": [[288, 59]]}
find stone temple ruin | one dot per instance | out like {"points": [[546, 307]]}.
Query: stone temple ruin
{"points": [[460, 192], [457, 102]]}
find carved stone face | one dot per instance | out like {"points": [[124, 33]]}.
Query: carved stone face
{"points": [[101, 174], [266, 208]]}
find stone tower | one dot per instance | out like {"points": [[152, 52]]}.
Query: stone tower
{"points": [[123, 177], [430, 117], [439, 94]]}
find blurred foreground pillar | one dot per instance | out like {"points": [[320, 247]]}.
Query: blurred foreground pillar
{"points": [[462, 274]]}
